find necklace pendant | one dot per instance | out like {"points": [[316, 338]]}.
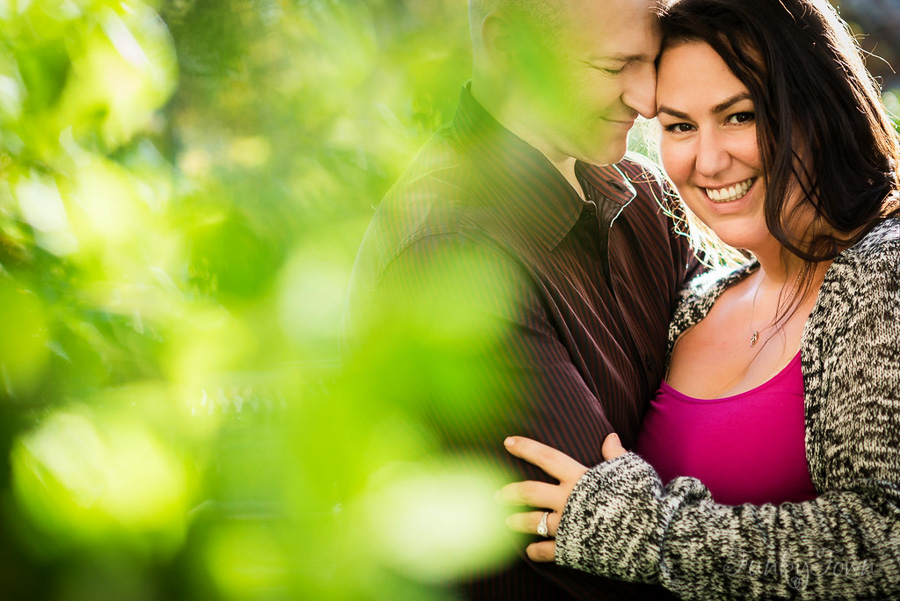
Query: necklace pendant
{"points": [[754, 338]]}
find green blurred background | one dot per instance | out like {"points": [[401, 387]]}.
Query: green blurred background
{"points": [[183, 186]]}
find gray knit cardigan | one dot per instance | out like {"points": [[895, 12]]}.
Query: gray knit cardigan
{"points": [[621, 522]]}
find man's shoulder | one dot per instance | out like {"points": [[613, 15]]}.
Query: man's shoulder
{"points": [[430, 228], [440, 159], [432, 207], [431, 195]]}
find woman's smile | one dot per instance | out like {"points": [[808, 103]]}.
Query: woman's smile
{"points": [[709, 146], [730, 193]]}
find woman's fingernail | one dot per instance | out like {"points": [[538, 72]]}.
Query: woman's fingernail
{"points": [[510, 441]]}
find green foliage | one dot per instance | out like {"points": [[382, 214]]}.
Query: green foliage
{"points": [[183, 186]]}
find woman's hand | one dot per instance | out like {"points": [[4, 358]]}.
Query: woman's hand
{"points": [[549, 497]]}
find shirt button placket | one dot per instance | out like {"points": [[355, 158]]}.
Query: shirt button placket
{"points": [[588, 212]]}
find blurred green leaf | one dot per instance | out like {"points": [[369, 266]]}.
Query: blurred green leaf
{"points": [[183, 186]]}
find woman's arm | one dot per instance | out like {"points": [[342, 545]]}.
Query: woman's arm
{"points": [[541, 494], [620, 520]]}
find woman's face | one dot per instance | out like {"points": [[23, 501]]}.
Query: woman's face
{"points": [[709, 146]]}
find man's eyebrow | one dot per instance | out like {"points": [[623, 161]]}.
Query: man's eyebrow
{"points": [[722, 106]]}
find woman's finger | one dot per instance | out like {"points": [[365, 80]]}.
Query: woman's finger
{"points": [[542, 552], [555, 463], [533, 494], [527, 522], [612, 447]]}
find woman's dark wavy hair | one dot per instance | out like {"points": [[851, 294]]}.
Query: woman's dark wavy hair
{"points": [[820, 120]]}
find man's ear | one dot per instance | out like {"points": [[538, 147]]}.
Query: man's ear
{"points": [[498, 34]]}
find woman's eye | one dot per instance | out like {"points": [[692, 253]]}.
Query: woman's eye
{"points": [[678, 128], [744, 117]]}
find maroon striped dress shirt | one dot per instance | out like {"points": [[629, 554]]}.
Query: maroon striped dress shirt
{"points": [[489, 299]]}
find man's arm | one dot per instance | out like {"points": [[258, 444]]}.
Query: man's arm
{"points": [[464, 341]]}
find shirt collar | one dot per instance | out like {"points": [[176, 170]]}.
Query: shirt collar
{"points": [[538, 193]]}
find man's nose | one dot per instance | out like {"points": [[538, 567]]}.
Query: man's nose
{"points": [[640, 90]]}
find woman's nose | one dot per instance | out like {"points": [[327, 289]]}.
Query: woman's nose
{"points": [[712, 154]]}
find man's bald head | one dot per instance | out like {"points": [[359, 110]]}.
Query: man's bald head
{"points": [[542, 18], [567, 76]]}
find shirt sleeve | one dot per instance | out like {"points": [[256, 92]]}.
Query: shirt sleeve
{"points": [[467, 343], [620, 521]]}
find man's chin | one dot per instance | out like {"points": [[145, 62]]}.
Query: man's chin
{"points": [[611, 150], [606, 157]]}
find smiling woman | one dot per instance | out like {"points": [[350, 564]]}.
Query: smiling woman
{"points": [[781, 371], [709, 143]]}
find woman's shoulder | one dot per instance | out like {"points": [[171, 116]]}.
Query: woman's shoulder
{"points": [[697, 297], [861, 283], [882, 241], [873, 260], [709, 285]]}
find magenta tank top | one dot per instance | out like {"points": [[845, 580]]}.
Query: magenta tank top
{"points": [[746, 448]]}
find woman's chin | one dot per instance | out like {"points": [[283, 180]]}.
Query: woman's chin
{"points": [[744, 239]]}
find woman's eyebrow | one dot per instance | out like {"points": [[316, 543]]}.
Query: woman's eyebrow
{"points": [[673, 112], [725, 105], [721, 107]]}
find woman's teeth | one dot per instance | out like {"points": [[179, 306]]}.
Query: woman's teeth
{"points": [[731, 193]]}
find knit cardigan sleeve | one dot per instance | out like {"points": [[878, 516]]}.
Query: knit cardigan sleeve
{"points": [[621, 522]]}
